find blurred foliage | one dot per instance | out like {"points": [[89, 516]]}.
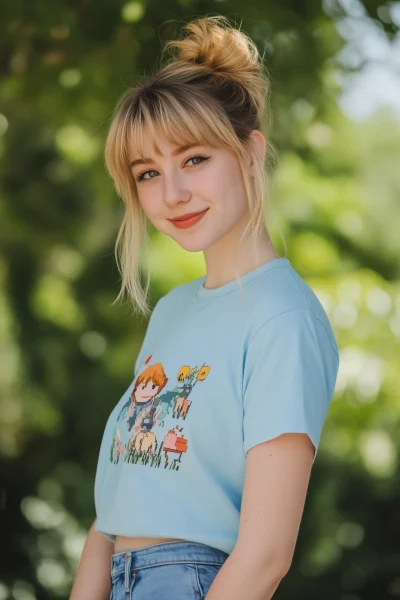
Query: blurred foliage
{"points": [[67, 352]]}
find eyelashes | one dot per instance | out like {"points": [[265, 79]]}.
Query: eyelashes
{"points": [[140, 176]]}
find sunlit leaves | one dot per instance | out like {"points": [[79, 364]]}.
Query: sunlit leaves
{"points": [[77, 144]]}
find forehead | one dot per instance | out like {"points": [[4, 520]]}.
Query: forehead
{"points": [[149, 142]]}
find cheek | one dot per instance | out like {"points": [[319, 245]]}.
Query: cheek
{"points": [[228, 193], [147, 202], [147, 195], [225, 179]]}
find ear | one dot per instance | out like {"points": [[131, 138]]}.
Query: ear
{"points": [[258, 143]]}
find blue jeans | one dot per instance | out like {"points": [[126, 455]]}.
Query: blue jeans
{"points": [[169, 571]]}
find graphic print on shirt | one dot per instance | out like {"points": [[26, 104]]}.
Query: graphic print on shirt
{"points": [[147, 407]]}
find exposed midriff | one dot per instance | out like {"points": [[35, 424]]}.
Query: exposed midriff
{"points": [[123, 543]]}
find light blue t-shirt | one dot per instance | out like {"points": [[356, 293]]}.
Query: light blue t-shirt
{"points": [[218, 372]]}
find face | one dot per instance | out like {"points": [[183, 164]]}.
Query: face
{"points": [[146, 391], [200, 178]]}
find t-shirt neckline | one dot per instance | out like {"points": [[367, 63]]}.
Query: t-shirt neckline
{"points": [[204, 294]]}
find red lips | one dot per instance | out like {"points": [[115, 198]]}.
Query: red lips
{"points": [[188, 216]]}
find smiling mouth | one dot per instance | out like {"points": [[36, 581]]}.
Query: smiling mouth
{"points": [[188, 222], [189, 216]]}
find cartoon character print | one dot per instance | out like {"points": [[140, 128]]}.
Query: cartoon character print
{"points": [[116, 447], [188, 377], [147, 408], [140, 414]]}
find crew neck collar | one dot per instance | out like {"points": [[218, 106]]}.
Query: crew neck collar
{"points": [[204, 295]]}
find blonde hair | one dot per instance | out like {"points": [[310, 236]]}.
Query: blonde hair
{"points": [[214, 87]]}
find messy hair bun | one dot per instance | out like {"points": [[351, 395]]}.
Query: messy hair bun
{"points": [[227, 53], [211, 90]]}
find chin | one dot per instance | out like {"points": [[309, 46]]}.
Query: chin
{"points": [[193, 243]]}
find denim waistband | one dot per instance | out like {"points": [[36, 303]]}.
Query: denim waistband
{"points": [[166, 553]]}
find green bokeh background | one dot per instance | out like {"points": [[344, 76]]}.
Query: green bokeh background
{"points": [[67, 352]]}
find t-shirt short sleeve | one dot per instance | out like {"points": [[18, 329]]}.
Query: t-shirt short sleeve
{"points": [[289, 377]]}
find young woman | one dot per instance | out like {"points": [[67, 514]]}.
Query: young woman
{"points": [[205, 460]]}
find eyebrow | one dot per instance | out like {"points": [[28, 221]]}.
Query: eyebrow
{"points": [[180, 150]]}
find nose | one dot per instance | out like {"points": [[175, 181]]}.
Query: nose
{"points": [[175, 190]]}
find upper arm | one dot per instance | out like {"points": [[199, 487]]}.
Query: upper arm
{"points": [[274, 492], [289, 377]]}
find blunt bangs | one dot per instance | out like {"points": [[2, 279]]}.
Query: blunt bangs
{"points": [[164, 117]]}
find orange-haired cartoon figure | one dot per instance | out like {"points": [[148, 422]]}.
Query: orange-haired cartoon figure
{"points": [[146, 408], [141, 410]]}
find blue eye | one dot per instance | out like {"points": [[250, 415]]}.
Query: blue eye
{"points": [[202, 158], [141, 176]]}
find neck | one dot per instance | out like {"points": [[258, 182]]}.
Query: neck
{"points": [[223, 262]]}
